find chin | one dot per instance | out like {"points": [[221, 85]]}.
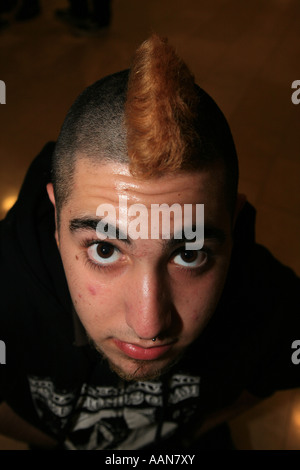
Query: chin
{"points": [[132, 370], [138, 372]]}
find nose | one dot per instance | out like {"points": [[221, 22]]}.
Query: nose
{"points": [[149, 305]]}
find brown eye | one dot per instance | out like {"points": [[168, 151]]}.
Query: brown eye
{"points": [[103, 253], [190, 258], [104, 250]]}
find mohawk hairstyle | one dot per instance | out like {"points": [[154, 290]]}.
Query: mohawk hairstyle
{"points": [[153, 118], [160, 111]]}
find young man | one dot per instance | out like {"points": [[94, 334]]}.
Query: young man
{"points": [[121, 330]]}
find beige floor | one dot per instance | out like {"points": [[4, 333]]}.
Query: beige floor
{"points": [[246, 54]]}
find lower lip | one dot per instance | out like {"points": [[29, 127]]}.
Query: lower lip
{"points": [[146, 354]]}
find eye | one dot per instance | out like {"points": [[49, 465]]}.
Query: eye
{"points": [[103, 253], [190, 258]]}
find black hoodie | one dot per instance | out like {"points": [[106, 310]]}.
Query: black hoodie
{"points": [[68, 391]]}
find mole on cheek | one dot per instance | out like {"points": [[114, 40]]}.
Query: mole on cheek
{"points": [[76, 257]]}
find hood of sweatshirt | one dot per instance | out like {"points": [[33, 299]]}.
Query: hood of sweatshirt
{"points": [[31, 266]]}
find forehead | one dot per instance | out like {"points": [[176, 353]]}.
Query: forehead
{"points": [[96, 182]]}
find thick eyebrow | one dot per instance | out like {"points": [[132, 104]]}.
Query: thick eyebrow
{"points": [[90, 223], [210, 233]]}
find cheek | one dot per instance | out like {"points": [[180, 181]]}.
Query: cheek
{"points": [[200, 300], [94, 293], [99, 291], [93, 290], [89, 295], [94, 305]]}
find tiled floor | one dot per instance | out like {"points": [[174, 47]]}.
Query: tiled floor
{"points": [[246, 54]]}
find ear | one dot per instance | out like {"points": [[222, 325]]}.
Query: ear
{"points": [[240, 202], [50, 192]]}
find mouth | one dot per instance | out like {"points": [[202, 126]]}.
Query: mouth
{"points": [[145, 354]]}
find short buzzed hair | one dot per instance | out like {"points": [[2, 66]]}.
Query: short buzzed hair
{"points": [[153, 117]]}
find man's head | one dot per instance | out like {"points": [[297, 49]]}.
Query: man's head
{"points": [[150, 136], [152, 117]]}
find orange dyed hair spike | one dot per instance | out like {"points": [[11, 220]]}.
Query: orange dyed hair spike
{"points": [[160, 111]]}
